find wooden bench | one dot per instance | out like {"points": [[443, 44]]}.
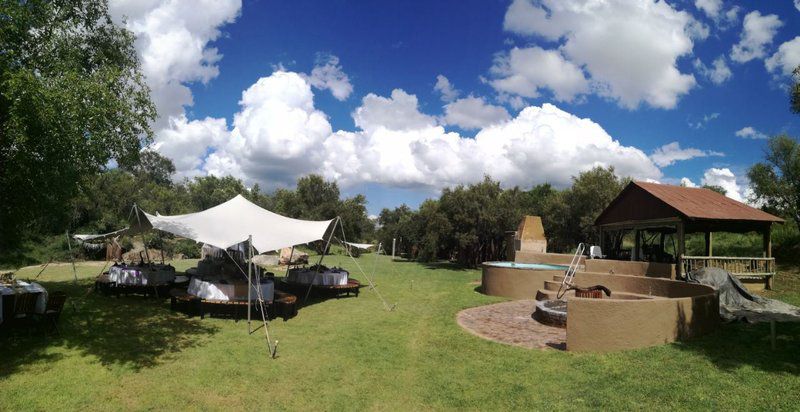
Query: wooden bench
{"points": [[284, 305], [104, 285], [353, 286]]}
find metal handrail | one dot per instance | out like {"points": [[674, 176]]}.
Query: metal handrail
{"points": [[569, 274]]}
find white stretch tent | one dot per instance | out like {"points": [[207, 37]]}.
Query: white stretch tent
{"points": [[233, 222], [364, 246], [104, 236]]}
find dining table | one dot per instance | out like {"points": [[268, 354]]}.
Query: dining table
{"points": [[10, 291]]}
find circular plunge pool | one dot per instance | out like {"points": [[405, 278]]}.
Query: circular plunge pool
{"points": [[533, 266]]}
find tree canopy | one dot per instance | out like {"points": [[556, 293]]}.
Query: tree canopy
{"points": [[72, 99], [776, 181]]}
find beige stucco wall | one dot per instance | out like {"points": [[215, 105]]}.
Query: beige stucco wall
{"points": [[605, 325], [624, 267], [549, 258], [514, 283], [678, 310]]}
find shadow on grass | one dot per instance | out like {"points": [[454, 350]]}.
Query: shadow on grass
{"points": [[741, 344], [130, 331]]}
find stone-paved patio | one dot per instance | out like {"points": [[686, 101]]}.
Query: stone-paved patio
{"points": [[511, 323]]}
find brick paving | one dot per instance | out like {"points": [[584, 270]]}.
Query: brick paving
{"points": [[511, 323]]}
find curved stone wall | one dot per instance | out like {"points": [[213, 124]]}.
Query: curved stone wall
{"points": [[668, 311]]}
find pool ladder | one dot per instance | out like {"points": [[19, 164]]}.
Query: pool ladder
{"points": [[569, 274]]}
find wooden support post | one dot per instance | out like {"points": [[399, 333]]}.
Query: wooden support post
{"points": [[681, 249], [768, 241], [768, 253], [637, 244], [602, 240], [709, 244]]}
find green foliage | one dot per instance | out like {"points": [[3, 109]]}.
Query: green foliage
{"points": [[569, 216], [776, 181], [188, 248], [72, 98], [152, 167], [466, 224], [719, 189]]}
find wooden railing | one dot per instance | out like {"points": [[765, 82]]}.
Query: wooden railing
{"points": [[742, 267]]}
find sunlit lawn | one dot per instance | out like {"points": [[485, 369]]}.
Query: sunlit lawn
{"points": [[133, 353]]}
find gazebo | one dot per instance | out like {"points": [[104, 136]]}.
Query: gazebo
{"points": [[657, 213]]}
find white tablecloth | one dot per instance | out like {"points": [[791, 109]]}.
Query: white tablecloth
{"points": [[327, 278], [228, 291], [25, 287], [141, 275]]}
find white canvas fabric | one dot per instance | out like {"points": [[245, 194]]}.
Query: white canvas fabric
{"points": [[86, 238], [232, 222], [365, 246]]}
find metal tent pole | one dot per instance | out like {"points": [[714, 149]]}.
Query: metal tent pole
{"points": [[327, 245], [249, 279], [144, 241], [72, 259]]}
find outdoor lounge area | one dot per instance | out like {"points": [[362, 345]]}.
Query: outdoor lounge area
{"points": [[660, 217], [629, 295]]}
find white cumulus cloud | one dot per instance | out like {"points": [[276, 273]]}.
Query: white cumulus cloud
{"points": [[686, 182], [400, 111], [629, 49], [473, 113], [786, 59], [172, 39], [717, 73], [187, 142], [749, 132], [525, 71], [173, 43], [673, 152], [446, 89], [725, 179], [278, 135], [328, 75], [757, 33]]}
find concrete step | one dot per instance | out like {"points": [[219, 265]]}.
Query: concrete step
{"points": [[551, 285], [543, 294]]}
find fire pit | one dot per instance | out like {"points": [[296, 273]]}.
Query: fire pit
{"points": [[551, 312]]}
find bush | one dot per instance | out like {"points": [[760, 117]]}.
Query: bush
{"points": [[188, 248]]}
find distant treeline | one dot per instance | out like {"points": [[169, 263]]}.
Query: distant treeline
{"points": [[467, 224]]}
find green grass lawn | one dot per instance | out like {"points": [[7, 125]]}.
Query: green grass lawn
{"points": [[133, 353]]}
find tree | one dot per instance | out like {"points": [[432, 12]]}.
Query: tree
{"points": [[319, 200], [776, 180], [72, 98], [208, 191], [719, 189], [569, 217], [152, 167]]}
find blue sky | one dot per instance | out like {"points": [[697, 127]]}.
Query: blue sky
{"points": [[640, 93]]}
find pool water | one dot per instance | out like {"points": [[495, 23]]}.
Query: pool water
{"points": [[535, 266]]}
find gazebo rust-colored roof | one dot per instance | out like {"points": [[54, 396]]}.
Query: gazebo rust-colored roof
{"points": [[643, 201]]}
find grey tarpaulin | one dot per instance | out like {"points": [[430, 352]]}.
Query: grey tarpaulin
{"points": [[737, 303]]}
